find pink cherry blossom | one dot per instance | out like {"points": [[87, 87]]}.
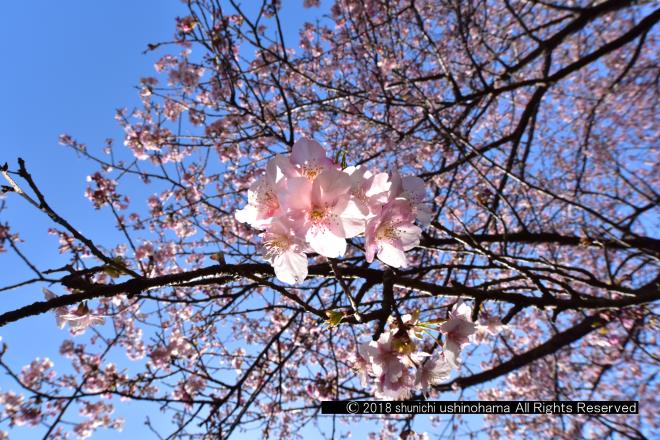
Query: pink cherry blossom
{"points": [[186, 74], [393, 378], [391, 233], [79, 319], [488, 325], [186, 24], [361, 364], [59, 311], [457, 329], [369, 190], [431, 371], [263, 202], [315, 204], [285, 252], [38, 371], [532, 150], [413, 189], [323, 208], [160, 357]]}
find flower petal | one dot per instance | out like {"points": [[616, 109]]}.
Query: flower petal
{"points": [[414, 189], [247, 215], [392, 256], [306, 150], [452, 351], [290, 267], [409, 236], [352, 220], [325, 243], [297, 194], [380, 184], [329, 186]]}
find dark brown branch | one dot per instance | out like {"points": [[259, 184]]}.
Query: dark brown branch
{"points": [[645, 294], [645, 243]]}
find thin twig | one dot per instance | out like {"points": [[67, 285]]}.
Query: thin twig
{"points": [[345, 288]]}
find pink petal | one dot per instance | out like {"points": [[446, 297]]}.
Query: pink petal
{"points": [[278, 168], [409, 236], [396, 188], [380, 184], [448, 326], [325, 243], [424, 214], [352, 220], [297, 194], [392, 256], [290, 267], [452, 351], [462, 309], [415, 188], [329, 186], [306, 150]]}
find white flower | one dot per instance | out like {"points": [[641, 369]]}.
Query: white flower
{"points": [[457, 330]]}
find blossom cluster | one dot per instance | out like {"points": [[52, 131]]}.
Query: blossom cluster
{"points": [[307, 203], [397, 366]]}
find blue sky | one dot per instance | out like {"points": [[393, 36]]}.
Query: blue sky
{"points": [[69, 64]]}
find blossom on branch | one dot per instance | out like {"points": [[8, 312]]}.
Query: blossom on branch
{"points": [[413, 189], [392, 233], [369, 190], [396, 361], [308, 203], [431, 371], [457, 329], [285, 252], [79, 319], [263, 202], [389, 367], [309, 158]]}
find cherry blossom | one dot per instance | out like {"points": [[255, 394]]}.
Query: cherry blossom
{"points": [[285, 251], [431, 371], [361, 364], [413, 189], [391, 233], [393, 378], [323, 207], [488, 326], [308, 202], [186, 24], [263, 202], [369, 190], [457, 330], [79, 319], [397, 361], [309, 158]]}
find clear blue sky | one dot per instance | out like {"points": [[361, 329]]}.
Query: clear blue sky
{"points": [[68, 65]]}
